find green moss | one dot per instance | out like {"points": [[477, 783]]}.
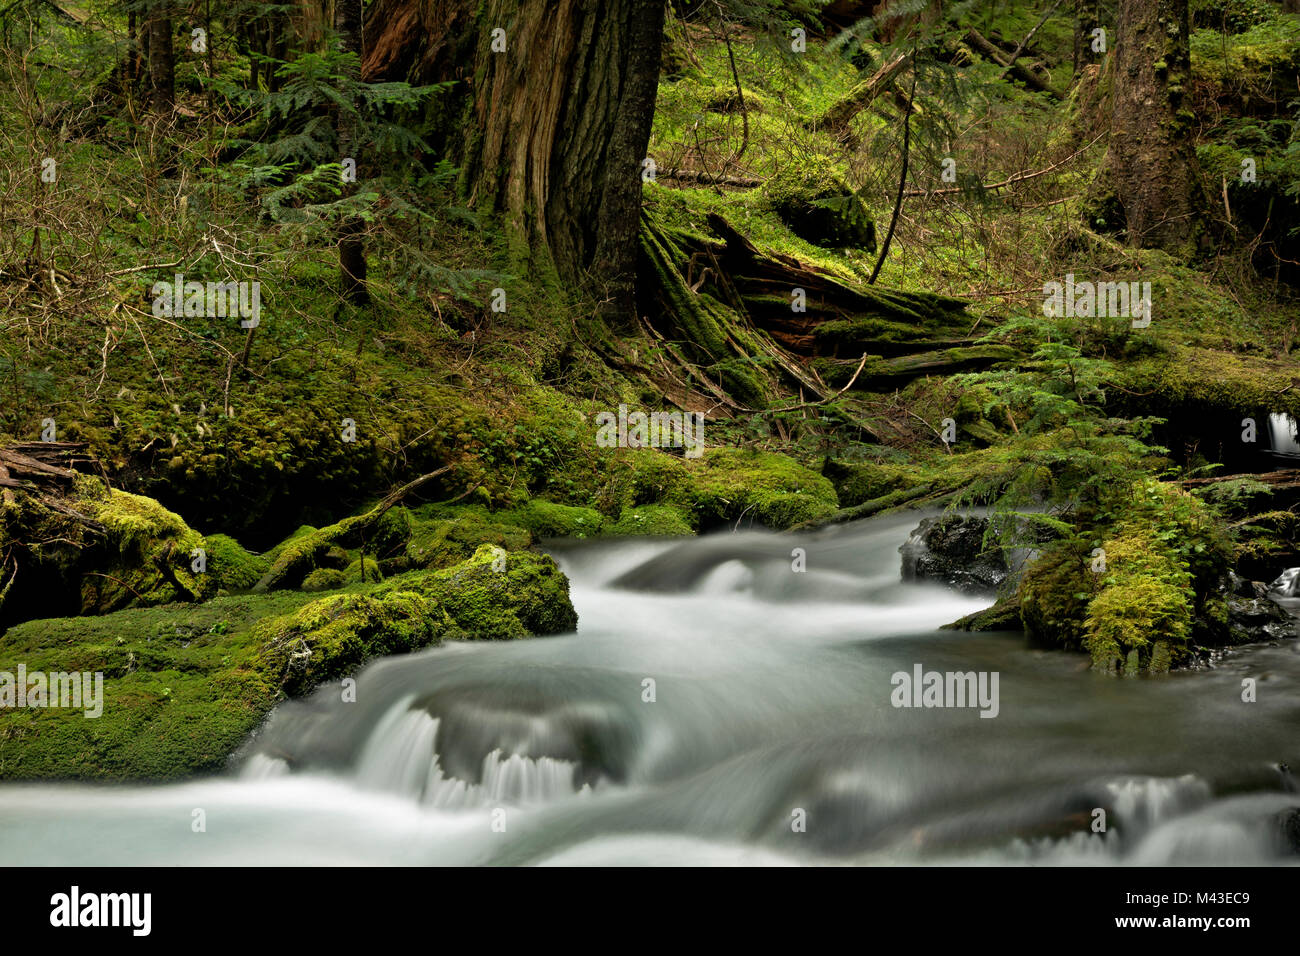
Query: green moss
{"points": [[496, 595], [185, 684], [763, 488], [545, 519], [1054, 594], [378, 532], [122, 568], [229, 566], [326, 579], [361, 570], [444, 535], [650, 520], [333, 636], [819, 207], [1146, 596], [859, 482]]}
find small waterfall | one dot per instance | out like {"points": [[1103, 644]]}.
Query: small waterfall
{"points": [[1148, 801], [1287, 583], [1282, 435], [401, 757], [263, 767]]}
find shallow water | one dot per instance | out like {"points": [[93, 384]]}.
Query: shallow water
{"points": [[771, 739]]}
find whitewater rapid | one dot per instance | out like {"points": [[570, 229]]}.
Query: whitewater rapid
{"points": [[717, 706]]}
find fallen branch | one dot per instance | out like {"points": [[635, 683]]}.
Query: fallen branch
{"points": [[1028, 37], [1010, 180], [991, 52]]}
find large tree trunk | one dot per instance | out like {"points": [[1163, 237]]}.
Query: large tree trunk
{"points": [[1152, 157], [619, 222], [162, 68], [559, 119], [352, 243]]}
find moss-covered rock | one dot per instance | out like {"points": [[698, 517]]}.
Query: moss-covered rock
{"points": [[185, 684], [729, 485], [496, 594], [229, 567], [325, 579], [545, 519], [819, 207], [333, 636], [650, 520]]}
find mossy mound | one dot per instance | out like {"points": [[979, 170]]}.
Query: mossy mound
{"points": [[141, 537], [731, 485], [820, 208], [362, 570], [545, 519], [495, 594], [723, 485], [1145, 594], [333, 636], [443, 535], [650, 520], [96, 550], [229, 567], [325, 579], [180, 690], [185, 684]]}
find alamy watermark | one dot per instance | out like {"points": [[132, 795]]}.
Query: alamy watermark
{"points": [[923, 688], [75, 689], [75, 908], [210, 299], [1118, 300], [651, 430]]}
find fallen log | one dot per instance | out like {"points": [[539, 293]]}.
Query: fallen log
{"points": [[991, 52]]}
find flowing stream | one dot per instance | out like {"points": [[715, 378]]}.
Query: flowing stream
{"points": [[771, 739]]}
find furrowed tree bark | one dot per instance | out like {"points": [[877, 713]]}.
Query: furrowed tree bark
{"points": [[351, 234], [559, 96], [1152, 158], [619, 223]]}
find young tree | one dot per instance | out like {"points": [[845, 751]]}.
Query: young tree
{"points": [[162, 67], [351, 237], [1152, 156]]}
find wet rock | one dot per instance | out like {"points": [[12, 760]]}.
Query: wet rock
{"points": [[1245, 588], [950, 549], [1258, 619]]}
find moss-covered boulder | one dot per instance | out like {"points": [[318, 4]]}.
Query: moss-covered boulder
{"points": [[732, 485], [496, 594], [335, 635], [91, 549], [1142, 596], [650, 520], [820, 208], [545, 519], [184, 684]]}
